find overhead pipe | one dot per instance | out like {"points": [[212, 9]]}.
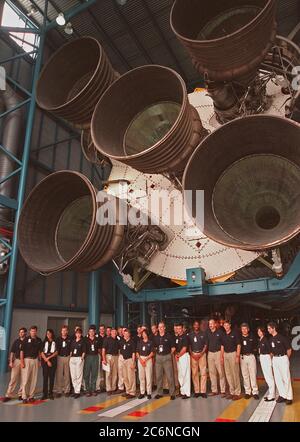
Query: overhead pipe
{"points": [[11, 141]]}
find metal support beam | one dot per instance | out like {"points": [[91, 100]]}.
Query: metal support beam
{"points": [[10, 286], [94, 298], [290, 282], [71, 13]]}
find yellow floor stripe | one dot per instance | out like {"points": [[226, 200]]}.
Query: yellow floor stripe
{"points": [[292, 412], [237, 408], [106, 404], [149, 408]]}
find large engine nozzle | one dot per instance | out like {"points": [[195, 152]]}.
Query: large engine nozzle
{"points": [[249, 170], [227, 39], [145, 120], [58, 228], [73, 80]]}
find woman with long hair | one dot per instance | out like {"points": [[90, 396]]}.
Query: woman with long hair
{"points": [[49, 364], [145, 353], [265, 358]]}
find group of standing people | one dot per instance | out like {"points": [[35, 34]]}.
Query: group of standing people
{"points": [[112, 360]]}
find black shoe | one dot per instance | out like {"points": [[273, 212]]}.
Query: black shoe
{"points": [[185, 397], [141, 396], [256, 397], [31, 399], [6, 399], [196, 395], [247, 396], [51, 397], [269, 400], [20, 398], [76, 396], [73, 394], [25, 401], [165, 391], [44, 397], [130, 396], [158, 396], [289, 402], [67, 395], [149, 396], [280, 399], [123, 395], [204, 395], [172, 398]]}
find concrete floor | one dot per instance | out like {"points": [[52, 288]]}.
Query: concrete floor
{"points": [[117, 409]]}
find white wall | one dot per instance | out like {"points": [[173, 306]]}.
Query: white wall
{"points": [[26, 318]]}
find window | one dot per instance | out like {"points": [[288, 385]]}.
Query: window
{"points": [[12, 19]]}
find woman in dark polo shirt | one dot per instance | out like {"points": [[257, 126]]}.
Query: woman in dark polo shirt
{"points": [[145, 353], [49, 364]]}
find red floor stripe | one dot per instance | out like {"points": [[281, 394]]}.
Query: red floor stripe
{"points": [[93, 409], [224, 420], [37, 402], [138, 413]]}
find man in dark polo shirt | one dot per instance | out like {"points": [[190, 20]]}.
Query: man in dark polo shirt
{"points": [[281, 351], [62, 377], [30, 356], [15, 365], [183, 362], [110, 355], [215, 362], [91, 362], [127, 350], [231, 350], [164, 345], [198, 347], [248, 362]]}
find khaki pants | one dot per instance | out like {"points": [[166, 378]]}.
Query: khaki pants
{"points": [[111, 376], [164, 365], [282, 375], [145, 376], [120, 373], [200, 365], [184, 374], [215, 368], [248, 368], [232, 372], [15, 379], [63, 375], [129, 377], [29, 376], [76, 369]]}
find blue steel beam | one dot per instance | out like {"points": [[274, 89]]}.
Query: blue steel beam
{"points": [[71, 13], [8, 202], [21, 192], [261, 285], [9, 29], [94, 298], [15, 57]]}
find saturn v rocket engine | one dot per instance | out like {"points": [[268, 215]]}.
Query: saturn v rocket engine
{"points": [[146, 125], [228, 40]]}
